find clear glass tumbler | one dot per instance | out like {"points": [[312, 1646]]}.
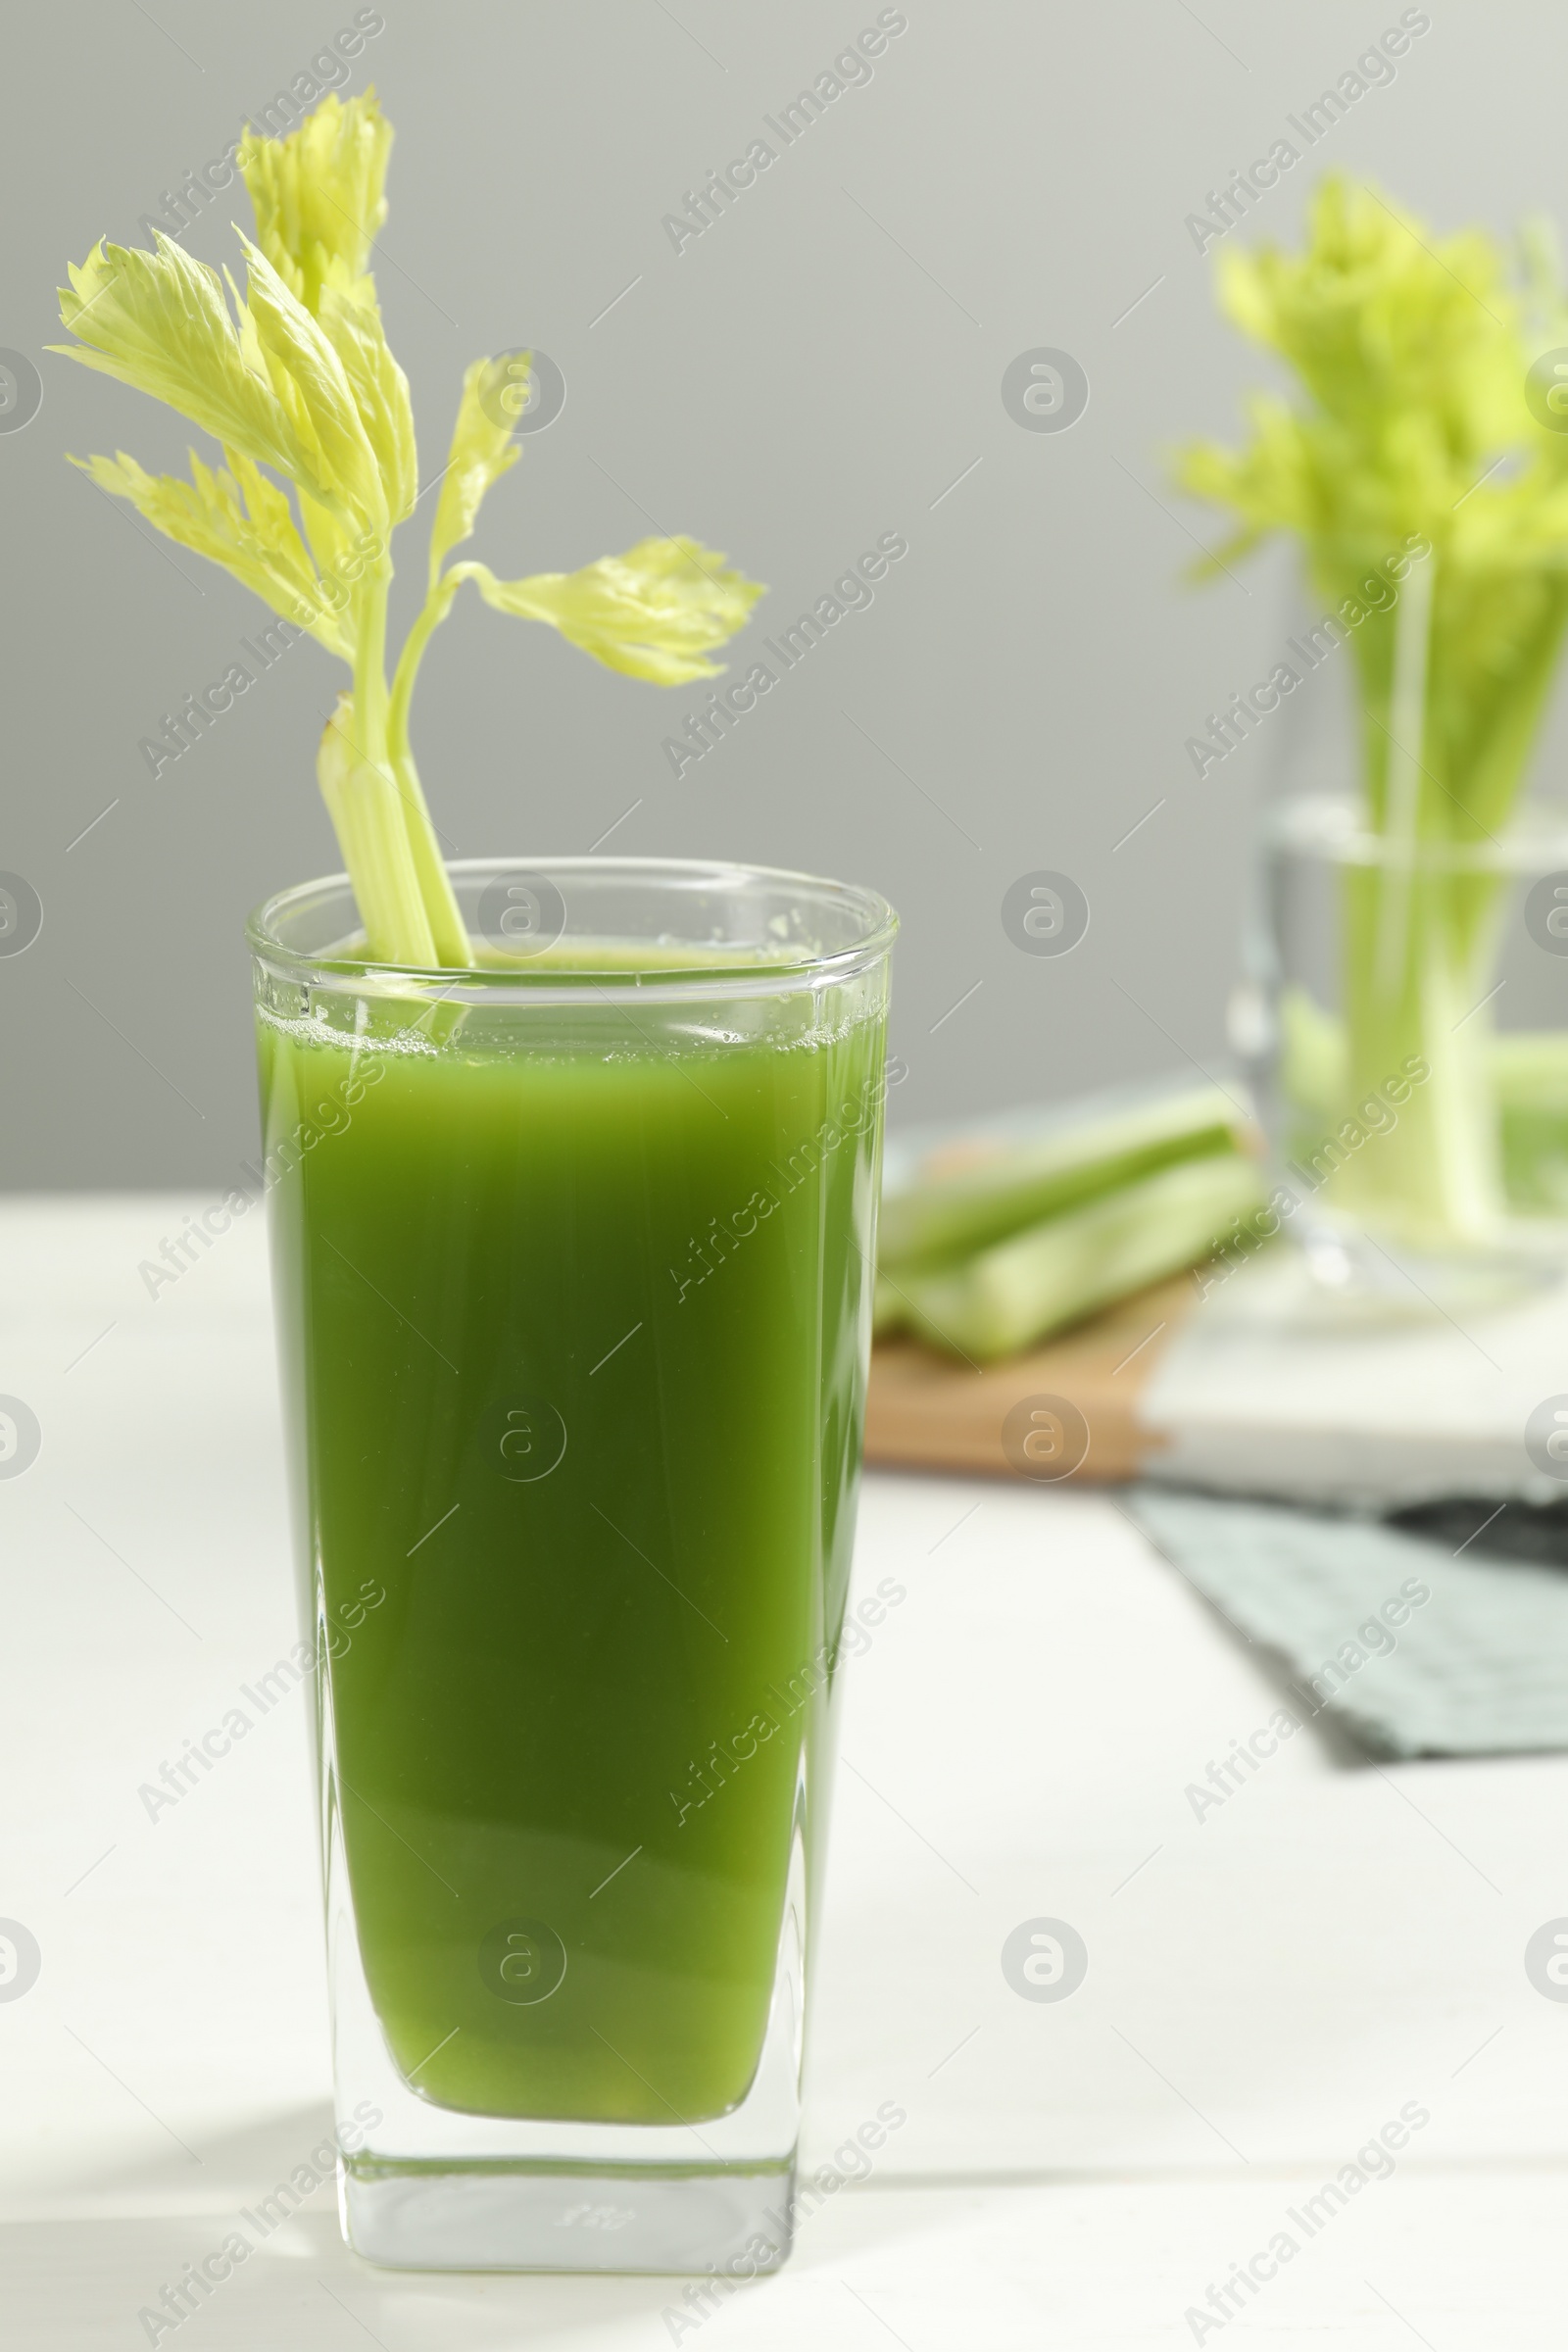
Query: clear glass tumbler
{"points": [[572, 1257]]}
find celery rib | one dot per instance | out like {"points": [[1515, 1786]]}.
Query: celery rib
{"points": [[1022, 1290]]}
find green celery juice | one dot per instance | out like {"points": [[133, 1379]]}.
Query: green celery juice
{"points": [[574, 1329]]}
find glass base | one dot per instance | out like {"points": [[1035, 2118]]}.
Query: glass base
{"points": [[568, 2218], [429, 2187], [1364, 1272]]}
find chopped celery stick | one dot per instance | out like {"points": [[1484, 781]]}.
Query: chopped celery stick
{"points": [[948, 1217], [1025, 1288]]}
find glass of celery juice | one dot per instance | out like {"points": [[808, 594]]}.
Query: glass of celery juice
{"points": [[572, 1257]]}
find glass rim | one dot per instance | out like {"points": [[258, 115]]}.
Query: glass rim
{"points": [[620, 981], [1332, 828]]}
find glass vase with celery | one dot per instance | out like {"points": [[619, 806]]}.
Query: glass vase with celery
{"points": [[1424, 476], [573, 1171]]}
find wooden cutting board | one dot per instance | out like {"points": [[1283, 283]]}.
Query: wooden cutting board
{"points": [[1068, 1409]]}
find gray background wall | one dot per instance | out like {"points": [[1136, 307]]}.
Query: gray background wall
{"points": [[817, 369]]}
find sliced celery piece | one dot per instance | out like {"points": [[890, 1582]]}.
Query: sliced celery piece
{"points": [[1023, 1289], [943, 1218]]}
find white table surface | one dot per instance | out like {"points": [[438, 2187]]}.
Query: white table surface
{"points": [[1267, 1987]]}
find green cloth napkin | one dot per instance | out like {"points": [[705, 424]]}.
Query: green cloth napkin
{"points": [[1418, 1646]]}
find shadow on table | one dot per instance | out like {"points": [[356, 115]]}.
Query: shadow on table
{"points": [[229, 2167], [87, 2281], [79, 2285]]}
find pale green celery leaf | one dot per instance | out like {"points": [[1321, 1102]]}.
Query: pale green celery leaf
{"points": [[654, 612], [1375, 314], [380, 392], [1268, 483], [319, 200], [1410, 352], [318, 196], [158, 322], [482, 451], [309, 379], [325, 608], [1412, 431], [239, 520], [330, 539]]}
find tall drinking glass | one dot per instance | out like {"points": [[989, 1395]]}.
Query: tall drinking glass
{"points": [[573, 1257]]}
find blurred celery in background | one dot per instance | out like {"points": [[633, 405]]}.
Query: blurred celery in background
{"points": [[1423, 467], [990, 1244]]}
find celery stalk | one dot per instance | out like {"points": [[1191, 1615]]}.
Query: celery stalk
{"points": [[1420, 938], [1448, 570], [364, 803], [1526, 1076], [297, 377], [1020, 1290]]}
